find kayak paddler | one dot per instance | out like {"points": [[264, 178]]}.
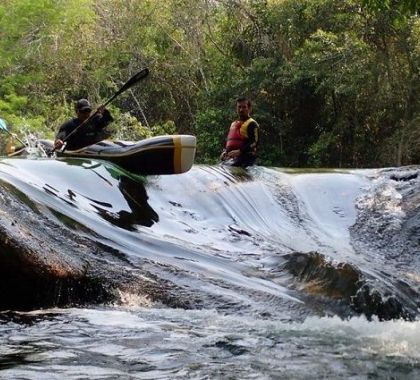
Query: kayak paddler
{"points": [[90, 133]]}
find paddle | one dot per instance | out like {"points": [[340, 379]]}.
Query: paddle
{"points": [[130, 83], [3, 127]]}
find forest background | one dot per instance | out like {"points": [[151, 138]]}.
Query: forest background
{"points": [[334, 83]]}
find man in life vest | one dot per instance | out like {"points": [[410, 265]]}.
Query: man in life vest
{"points": [[242, 139]]}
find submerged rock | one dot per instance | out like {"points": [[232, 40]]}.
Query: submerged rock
{"points": [[45, 263], [276, 244], [350, 290]]}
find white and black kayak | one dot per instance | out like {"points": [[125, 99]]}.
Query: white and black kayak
{"points": [[169, 154]]}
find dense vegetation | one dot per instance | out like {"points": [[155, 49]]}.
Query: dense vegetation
{"points": [[334, 82]]}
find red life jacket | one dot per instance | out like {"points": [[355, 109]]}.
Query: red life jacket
{"points": [[238, 134]]}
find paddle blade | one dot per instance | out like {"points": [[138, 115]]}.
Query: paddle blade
{"points": [[134, 79], [3, 125]]}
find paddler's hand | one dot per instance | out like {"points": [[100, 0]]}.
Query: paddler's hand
{"points": [[58, 144], [223, 156], [234, 153]]}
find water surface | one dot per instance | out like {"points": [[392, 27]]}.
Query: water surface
{"points": [[264, 273]]}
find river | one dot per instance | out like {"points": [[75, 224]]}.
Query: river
{"points": [[218, 273]]}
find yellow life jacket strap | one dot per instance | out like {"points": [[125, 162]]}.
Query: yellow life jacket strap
{"points": [[244, 126]]}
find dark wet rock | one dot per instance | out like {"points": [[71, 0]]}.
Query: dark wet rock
{"points": [[322, 277], [47, 259], [371, 303], [234, 349], [347, 286], [238, 230], [43, 263], [404, 176]]}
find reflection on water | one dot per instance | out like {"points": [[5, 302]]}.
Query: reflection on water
{"points": [[137, 212], [117, 195]]}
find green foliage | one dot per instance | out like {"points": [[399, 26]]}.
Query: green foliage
{"points": [[333, 82], [404, 7], [211, 127], [127, 127], [319, 152]]}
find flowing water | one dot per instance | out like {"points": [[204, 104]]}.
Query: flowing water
{"points": [[218, 273]]}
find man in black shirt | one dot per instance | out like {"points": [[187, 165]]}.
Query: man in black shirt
{"points": [[89, 133]]}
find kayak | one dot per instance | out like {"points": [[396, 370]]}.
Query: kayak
{"points": [[169, 154]]}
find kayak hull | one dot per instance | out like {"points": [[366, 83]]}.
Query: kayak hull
{"points": [[172, 154], [169, 154]]}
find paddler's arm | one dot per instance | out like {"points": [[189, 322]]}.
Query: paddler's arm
{"points": [[60, 136], [102, 118], [252, 138]]}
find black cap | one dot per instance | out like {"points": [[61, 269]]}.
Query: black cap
{"points": [[83, 105]]}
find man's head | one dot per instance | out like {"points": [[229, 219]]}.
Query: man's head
{"points": [[83, 109], [243, 108]]}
